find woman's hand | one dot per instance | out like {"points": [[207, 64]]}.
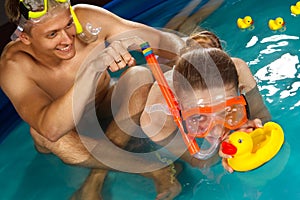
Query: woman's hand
{"points": [[224, 160], [250, 125]]}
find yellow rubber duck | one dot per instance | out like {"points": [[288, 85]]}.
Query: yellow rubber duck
{"points": [[244, 23], [295, 9], [276, 24], [251, 150]]}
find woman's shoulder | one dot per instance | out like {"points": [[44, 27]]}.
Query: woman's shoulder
{"points": [[238, 61], [240, 64]]}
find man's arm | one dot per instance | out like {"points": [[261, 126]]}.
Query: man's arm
{"points": [[114, 28], [50, 117]]}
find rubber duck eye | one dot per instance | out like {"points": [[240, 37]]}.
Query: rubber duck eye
{"points": [[240, 141]]}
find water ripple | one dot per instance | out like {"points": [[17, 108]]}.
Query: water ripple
{"points": [[282, 68]]}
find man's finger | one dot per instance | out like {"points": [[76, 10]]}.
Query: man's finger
{"points": [[116, 61], [122, 52], [132, 41]]}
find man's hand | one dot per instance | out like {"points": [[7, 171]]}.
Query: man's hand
{"points": [[118, 56], [114, 57]]}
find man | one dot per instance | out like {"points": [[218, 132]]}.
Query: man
{"points": [[50, 77]]}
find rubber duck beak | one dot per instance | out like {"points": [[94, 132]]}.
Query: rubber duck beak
{"points": [[228, 148], [252, 22]]}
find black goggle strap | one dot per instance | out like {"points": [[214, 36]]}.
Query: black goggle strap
{"points": [[246, 106], [184, 126], [24, 11]]}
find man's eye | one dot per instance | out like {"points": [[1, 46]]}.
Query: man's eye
{"points": [[70, 24], [52, 34]]}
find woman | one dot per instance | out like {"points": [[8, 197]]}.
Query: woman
{"points": [[205, 82]]}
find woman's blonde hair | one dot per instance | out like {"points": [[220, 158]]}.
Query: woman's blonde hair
{"points": [[204, 68], [205, 39]]}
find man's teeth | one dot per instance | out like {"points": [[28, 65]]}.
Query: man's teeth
{"points": [[65, 48]]}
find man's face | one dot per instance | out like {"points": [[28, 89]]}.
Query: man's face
{"points": [[55, 35]]}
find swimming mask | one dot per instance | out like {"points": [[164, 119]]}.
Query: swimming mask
{"points": [[206, 123], [199, 121]]}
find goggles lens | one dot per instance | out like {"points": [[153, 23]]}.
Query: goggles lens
{"points": [[34, 5], [32, 9], [235, 116], [231, 114]]}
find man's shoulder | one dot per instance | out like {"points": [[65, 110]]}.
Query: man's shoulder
{"points": [[13, 56], [94, 14], [90, 9], [12, 51]]}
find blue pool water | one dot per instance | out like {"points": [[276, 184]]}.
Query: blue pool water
{"points": [[273, 57]]}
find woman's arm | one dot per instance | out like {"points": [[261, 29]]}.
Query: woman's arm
{"points": [[248, 87]]}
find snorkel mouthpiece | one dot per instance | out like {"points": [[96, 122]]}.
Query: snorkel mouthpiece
{"points": [[204, 154], [90, 34]]}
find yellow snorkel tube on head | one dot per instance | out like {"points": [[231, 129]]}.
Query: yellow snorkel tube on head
{"points": [[34, 9]]}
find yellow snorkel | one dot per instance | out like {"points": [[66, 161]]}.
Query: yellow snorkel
{"points": [[78, 26]]}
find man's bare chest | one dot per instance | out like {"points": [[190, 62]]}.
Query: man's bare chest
{"points": [[58, 81]]}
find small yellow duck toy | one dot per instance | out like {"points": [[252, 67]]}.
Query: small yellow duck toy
{"points": [[251, 150], [276, 24], [295, 9], [244, 23]]}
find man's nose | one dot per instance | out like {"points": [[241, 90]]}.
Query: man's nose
{"points": [[66, 36]]}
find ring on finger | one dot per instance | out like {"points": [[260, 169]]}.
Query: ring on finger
{"points": [[118, 61]]}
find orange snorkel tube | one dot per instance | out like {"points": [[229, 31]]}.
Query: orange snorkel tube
{"points": [[172, 103]]}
